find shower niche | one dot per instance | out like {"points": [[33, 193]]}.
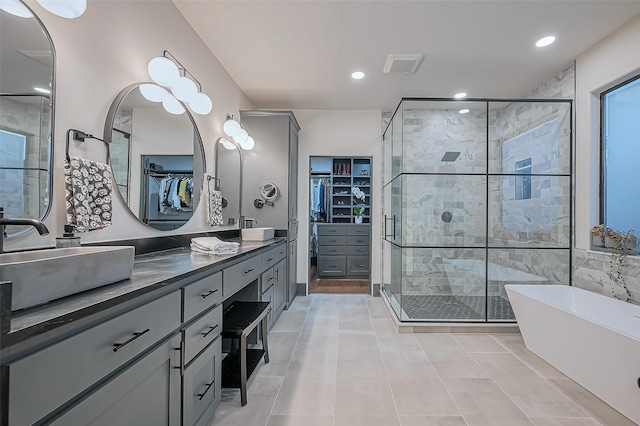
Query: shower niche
{"points": [[477, 195]]}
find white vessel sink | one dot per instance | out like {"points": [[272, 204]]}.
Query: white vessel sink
{"points": [[258, 234], [40, 276]]}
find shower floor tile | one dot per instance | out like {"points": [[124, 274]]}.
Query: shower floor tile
{"points": [[444, 307]]}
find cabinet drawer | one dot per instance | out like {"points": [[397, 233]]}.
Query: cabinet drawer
{"points": [[273, 256], [332, 249], [330, 240], [358, 265], [201, 295], [202, 332], [355, 240], [201, 386], [331, 230], [267, 279], [331, 266], [49, 378], [358, 250], [358, 230], [237, 276]]}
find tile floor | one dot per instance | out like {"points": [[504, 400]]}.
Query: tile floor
{"points": [[336, 360]]}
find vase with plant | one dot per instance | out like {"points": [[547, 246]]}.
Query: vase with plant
{"points": [[621, 244], [598, 234], [358, 211]]}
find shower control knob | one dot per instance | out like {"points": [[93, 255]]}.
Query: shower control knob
{"points": [[446, 217]]}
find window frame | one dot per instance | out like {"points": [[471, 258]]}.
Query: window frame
{"points": [[602, 164]]}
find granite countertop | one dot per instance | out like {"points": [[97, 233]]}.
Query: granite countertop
{"points": [[151, 273]]}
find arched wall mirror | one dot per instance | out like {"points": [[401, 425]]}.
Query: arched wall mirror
{"points": [[157, 159], [229, 174], [26, 117]]}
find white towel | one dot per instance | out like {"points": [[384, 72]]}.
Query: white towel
{"points": [[212, 245], [214, 205]]}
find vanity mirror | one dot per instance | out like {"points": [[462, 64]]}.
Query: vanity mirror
{"points": [[228, 172], [26, 118], [157, 159]]}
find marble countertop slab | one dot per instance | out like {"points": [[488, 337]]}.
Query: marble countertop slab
{"points": [[154, 275]]}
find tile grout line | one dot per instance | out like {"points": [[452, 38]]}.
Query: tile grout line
{"points": [[546, 380], [384, 366], [441, 381], [290, 358]]}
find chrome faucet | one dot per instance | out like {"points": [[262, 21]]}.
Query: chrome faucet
{"points": [[40, 227]]}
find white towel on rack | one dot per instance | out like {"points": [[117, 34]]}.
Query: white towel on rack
{"points": [[213, 245], [214, 202], [88, 193]]}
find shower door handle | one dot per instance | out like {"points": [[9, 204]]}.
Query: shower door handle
{"points": [[394, 227], [385, 227]]}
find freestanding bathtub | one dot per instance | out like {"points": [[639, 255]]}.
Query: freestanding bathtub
{"points": [[593, 339]]}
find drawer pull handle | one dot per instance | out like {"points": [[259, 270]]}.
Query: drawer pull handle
{"points": [[270, 259], [248, 270], [332, 241], [270, 279], [118, 346], [210, 330], [204, 296], [201, 395], [360, 266]]}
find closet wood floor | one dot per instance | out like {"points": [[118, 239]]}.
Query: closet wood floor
{"points": [[337, 285]]}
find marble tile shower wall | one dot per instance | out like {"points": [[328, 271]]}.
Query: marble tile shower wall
{"points": [[25, 194], [426, 271], [540, 222], [591, 272], [540, 133]]}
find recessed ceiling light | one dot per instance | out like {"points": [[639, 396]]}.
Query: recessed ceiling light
{"points": [[464, 111], [42, 90], [545, 41], [357, 75], [460, 95]]}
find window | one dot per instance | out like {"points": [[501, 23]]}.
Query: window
{"points": [[12, 172], [620, 157], [523, 183]]}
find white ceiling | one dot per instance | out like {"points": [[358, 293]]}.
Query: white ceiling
{"points": [[299, 54]]}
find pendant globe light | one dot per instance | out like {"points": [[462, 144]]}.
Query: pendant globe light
{"points": [[200, 104], [15, 8], [64, 8], [163, 71]]}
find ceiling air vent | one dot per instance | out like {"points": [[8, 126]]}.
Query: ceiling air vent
{"points": [[402, 63]]}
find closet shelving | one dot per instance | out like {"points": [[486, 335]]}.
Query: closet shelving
{"points": [[346, 174]]}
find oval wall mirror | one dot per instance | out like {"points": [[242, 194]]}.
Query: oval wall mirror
{"points": [[228, 173], [26, 123], [157, 159]]}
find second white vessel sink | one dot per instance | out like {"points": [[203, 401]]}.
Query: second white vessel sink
{"points": [[258, 234], [40, 276]]}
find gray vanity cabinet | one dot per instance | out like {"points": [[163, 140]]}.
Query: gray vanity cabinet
{"points": [[274, 159], [279, 286], [201, 386], [274, 281], [50, 378], [147, 393]]}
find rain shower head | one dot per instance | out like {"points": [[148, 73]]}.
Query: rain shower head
{"points": [[450, 156]]}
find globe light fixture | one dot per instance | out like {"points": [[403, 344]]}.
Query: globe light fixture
{"points": [[65, 8]]}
